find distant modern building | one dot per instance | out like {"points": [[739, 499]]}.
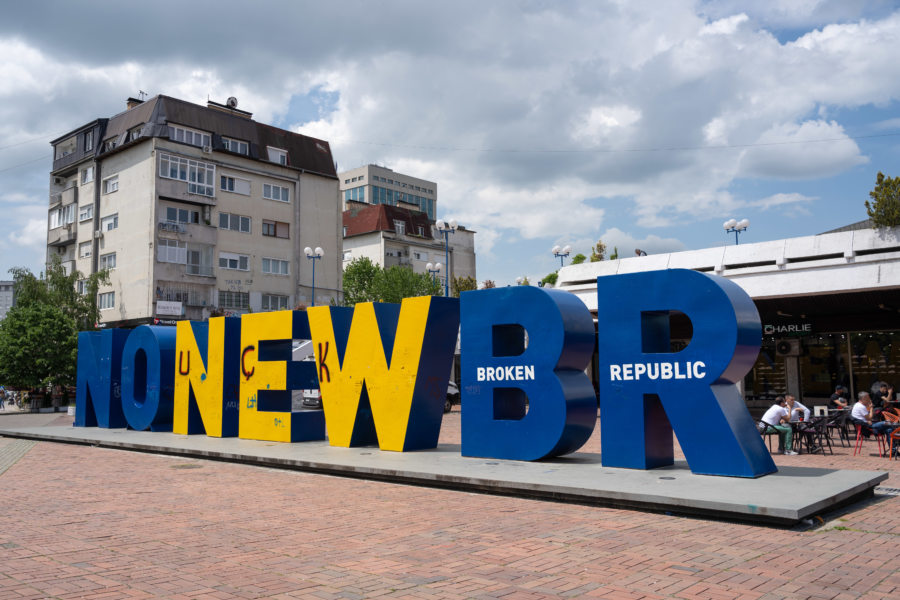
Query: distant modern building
{"points": [[6, 298], [829, 306], [373, 184], [395, 235], [194, 208]]}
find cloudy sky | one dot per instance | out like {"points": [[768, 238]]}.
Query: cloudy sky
{"points": [[646, 124]]}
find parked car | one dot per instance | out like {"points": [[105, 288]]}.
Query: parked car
{"points": [[312, 399], [452, 397]]}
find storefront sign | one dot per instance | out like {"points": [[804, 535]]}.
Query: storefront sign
{"points": [[383, 371], [788, 329], [168, 308]]}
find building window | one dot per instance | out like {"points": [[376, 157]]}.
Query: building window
{"points": [[200, 176], [111, 184], [87, 175], [86, 212], [362, 177], [108, 261], [276, 192], [344, 234], [188, 136], [182, 215], [62, 216], [66, 147], [420, 255], [109, 223], [234, 300], [348, 255], [276, 229], [234, 184], [107, 300], [357, 193], [88, 141], [84, 249], [399, 227], [236, 262], [171, 251], [109, 145], [199, 260], [236, 146], [274, 302], [81, 286], [234, 222], [274, 266], [277, 155], [421, 230], [135, 133]]}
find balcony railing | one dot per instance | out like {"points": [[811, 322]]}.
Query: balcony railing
{"points": [[202, 270], [171, 226]]}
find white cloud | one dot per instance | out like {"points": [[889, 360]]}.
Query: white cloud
{"points": [[811, 149], [33, 234]]}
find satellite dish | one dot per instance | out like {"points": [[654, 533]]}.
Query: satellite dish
{"points": [[231, 102]]}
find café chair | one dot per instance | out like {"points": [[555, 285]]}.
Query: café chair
{"points": [[767, 432], [814, 433], [838, 422], [879, 437]]}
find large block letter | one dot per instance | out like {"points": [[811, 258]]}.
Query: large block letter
{"points": [[268, 375], [207, 369], [499, 373], [148, 366], [98, 400], [646, 391], [384, 370]]}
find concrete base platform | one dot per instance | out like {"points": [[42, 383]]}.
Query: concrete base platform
{"points": [[784, 498]]}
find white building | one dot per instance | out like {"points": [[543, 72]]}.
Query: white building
{"points": [[6, 298], [194, 209], [391, 235], [829, 305], [372, 184]]}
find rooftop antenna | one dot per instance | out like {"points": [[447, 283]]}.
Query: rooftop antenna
{"points": [[142, 94]]}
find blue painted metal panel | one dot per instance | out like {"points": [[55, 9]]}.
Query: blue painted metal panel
{"points": [[562, 406], [647, 391], [148, 378], [98, 401]]}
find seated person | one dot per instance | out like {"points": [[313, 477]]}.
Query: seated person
{"points": [[862, 415], [884, 397], [777, 418], [798, 409], [837, 400]]}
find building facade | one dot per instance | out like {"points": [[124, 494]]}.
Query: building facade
{"points": [[194, 210], [372, 184], [6, 298], [829, 306], [394, 235]]}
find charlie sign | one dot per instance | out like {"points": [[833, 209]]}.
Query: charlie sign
{"points": [[383, 369]]}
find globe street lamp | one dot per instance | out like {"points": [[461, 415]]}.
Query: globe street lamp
{"points": [[314, 255], [561, 253], [736, 227], [433, 269], [446, 229]]}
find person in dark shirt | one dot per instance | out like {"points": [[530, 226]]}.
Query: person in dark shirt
{"points": [[884, 397], [838, 400]]}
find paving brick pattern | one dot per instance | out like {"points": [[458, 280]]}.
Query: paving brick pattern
{"points": [[83, 522]]}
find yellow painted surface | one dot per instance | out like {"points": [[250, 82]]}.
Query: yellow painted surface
{"points": [[206, 382], [263, 375], [390, 390]]}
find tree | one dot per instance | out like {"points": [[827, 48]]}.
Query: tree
{"points": [[359, 280], [615, 253], [578, 259], [550, 278], [488, 284], [462, 284], [599, 252], [884, 210], [59, 289], [398, 282], [38, 346]]}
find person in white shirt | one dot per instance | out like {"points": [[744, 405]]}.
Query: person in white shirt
{"points": [[798, 409], [861, 415], [777, 417]]}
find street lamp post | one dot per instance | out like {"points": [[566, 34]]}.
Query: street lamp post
{"points": [[446, 229], [433, 269], [561, 253], [314, 255], [736, 227]]}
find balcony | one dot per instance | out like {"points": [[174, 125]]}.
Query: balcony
{"points": [[200, 270], [171, 227], [62, 236]]}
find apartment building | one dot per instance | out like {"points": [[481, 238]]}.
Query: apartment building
{"points": [[396, 235], [6, 298], [193, 210], [372, 184]]}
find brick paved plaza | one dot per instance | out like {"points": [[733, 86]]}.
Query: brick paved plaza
{"points": [[82, 522]]}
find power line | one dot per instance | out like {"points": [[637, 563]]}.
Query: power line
{"points": [[34, 160], [47, 136]]}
